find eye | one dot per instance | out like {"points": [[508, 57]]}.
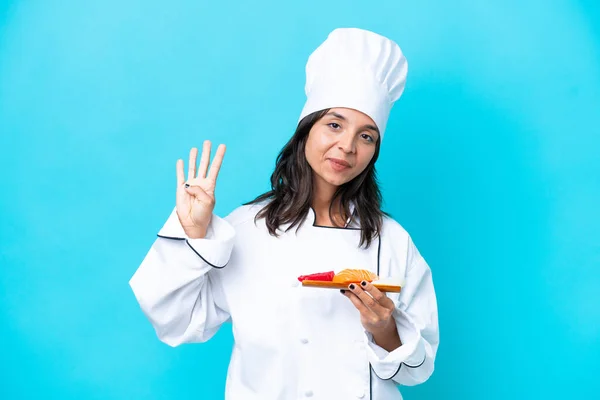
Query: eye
{"points": [[334, 125], [367, 137]]}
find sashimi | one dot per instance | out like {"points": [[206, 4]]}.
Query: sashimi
{"points": [[354, 276], [346, 277], [320, 276]]}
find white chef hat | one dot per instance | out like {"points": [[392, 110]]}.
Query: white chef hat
{"points": [[358, 69]]}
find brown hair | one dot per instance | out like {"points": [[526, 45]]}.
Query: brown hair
{"points": [[292, 189]]}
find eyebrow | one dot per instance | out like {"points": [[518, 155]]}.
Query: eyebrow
{"points": [[340, 116]]}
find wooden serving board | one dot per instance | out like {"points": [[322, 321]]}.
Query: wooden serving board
{"points": [[336, 285]]}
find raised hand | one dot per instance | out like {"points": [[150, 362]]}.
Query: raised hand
{"points": [[195, 198]]}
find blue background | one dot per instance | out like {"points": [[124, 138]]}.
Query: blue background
{"points": [[491, 161]]}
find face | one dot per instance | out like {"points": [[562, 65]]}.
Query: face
{"points": [[340, 145]]}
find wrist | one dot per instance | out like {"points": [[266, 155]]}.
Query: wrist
{"points": [[387, 337], [195, 232], [384, 331]]}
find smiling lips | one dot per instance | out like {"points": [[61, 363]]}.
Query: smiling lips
{"points": [[339, 165]]}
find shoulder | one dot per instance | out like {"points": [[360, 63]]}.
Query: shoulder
{"points": [[397, 237], [244, 213], [393, 229]]}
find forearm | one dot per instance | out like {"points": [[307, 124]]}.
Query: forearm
{"points": [[388, 338]]}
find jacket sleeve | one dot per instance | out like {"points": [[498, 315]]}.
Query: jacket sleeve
{"points": [[176, 284], [416, 319]]}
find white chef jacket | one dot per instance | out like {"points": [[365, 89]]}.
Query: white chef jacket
{"points": [[290, 341]]}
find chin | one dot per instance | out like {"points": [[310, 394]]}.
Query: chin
{"points": [[337, 180]]}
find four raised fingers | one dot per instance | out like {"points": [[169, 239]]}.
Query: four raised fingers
{"points": [[203, 167]]}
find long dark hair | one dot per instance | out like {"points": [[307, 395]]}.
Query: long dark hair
{"points": [[292, 189]]}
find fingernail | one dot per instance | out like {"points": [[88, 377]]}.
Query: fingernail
{"points": [[351, 286], [187, 185], [364, 283], [342, 291]]}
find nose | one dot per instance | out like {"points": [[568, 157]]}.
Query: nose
{"points": [[346, 143]]}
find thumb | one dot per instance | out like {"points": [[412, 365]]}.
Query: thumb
{"points": [[198, 193]]}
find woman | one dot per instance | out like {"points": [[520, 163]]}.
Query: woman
{"points": [[323, 213]]}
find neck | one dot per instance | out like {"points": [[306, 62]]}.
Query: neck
{"points": [[321, 201]]}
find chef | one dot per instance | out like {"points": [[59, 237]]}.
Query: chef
{"points": [[323, 213]]}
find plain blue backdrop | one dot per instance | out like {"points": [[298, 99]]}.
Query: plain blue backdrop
{"points": [[491, 161]]}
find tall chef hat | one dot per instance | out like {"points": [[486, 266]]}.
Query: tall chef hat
{"points": [[358, 69]]}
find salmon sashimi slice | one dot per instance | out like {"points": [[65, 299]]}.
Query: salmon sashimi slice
{"points": [[354, 276]]}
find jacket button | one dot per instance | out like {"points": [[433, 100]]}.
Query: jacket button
{"points": [[360, 394], [308, 393], [304, 340]]}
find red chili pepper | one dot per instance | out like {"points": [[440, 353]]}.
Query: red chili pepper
{"points": [[321, 276]]}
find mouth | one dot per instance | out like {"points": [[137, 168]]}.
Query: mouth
{"points": [[339, 165]]}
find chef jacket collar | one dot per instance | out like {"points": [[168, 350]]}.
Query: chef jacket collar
{"points": [[351, 223]]}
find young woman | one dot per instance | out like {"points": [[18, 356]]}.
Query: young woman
{"points": [[322, 214]]}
